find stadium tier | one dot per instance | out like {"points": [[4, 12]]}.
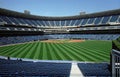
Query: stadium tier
{"points": [[15, 21], [102, 18]]}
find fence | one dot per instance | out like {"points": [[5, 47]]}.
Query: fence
{"points": [[115, 63]]}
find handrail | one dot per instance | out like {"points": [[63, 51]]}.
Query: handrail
{"points": [[115, 63]]}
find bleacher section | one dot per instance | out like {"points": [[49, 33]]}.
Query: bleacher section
{"points": [[95, 69], [22, 39], [50, 69], [26, 68]]}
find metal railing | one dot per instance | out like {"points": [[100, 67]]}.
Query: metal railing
{"points": [[115, 63]]}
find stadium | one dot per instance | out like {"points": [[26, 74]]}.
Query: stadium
{"points": [[44, 46]]}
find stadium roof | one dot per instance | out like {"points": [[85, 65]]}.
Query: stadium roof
{"points": [[23, 15]]}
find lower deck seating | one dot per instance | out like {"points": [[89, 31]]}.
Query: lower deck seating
{"points": [[94, 69], [22, 68], [22, 39], [50, 69]]}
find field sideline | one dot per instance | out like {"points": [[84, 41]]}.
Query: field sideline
{"points": [[88, 50]]}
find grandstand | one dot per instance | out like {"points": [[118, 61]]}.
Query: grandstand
{"points": [[103, 25], [25, 31]]}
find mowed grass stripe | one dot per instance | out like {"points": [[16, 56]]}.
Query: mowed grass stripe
{"points": [[64, 51], [34, 50], [27, 53], [11, 51], [98, 45], [54, 55], [44, 51], [23, 53], [75, 53], [51, 47], [69, 52], [95, 51], [86, 54], [36, 56], [19, 50], [80, 53], [48, 51], [104, 45], [8, 49], [41, 51], [59, 52], [3, 49], [84, 51], [90, 53]]}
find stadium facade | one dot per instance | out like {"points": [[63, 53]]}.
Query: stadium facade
{"points": [[18, 27]]}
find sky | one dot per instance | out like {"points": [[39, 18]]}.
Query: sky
{"points": [[60, 7]]}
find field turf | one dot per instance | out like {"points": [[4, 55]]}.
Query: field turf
{"points": [[89, 50]]}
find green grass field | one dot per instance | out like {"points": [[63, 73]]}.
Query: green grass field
{"points": [[89, 50]]}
